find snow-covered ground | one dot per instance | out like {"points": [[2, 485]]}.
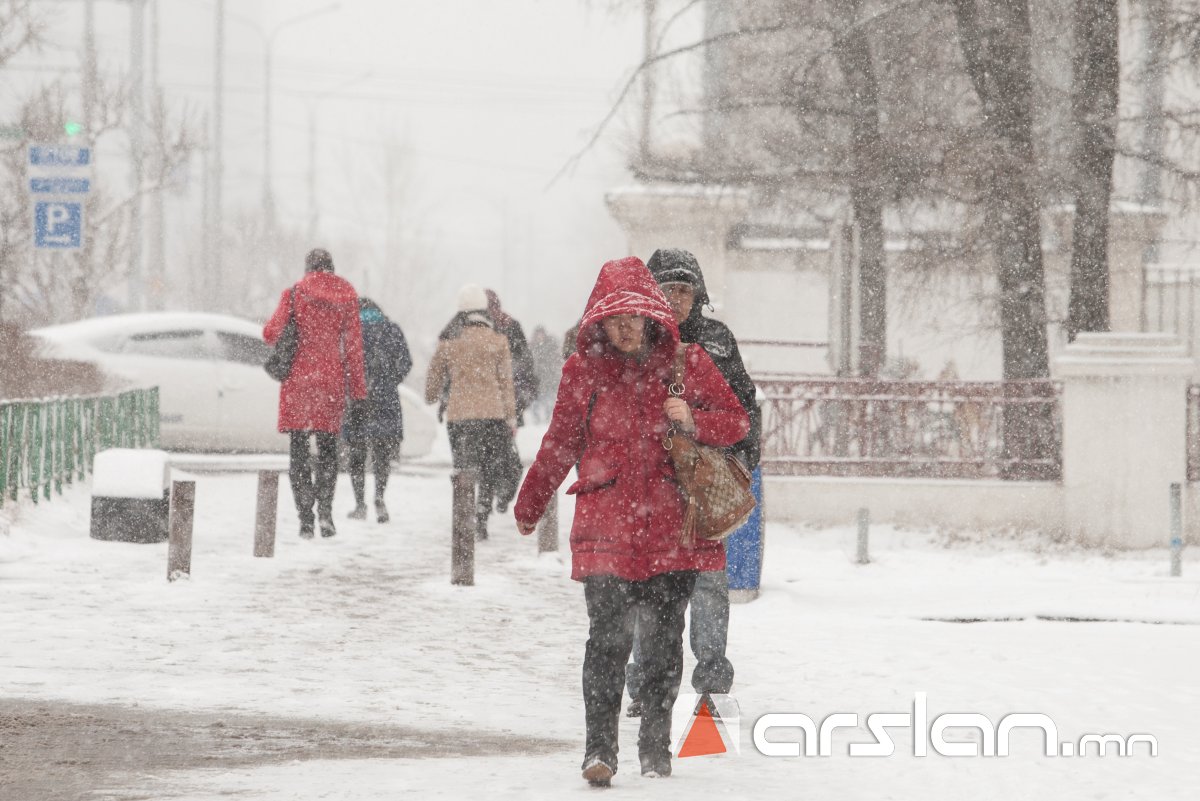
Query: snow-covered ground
{"points": [[366, 628]]}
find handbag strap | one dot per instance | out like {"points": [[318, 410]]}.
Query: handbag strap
{"points": [[678, 370], [675, 389]]}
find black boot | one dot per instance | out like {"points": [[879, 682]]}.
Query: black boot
{"points": [[359, 512], [381, 512], [325, 521]]}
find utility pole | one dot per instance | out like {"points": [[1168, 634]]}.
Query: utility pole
{"points": [[158, 261], [648, 86], [313, 218], [215, 224], [137, 57], [89, 68], [199, 279], [268, 53], [268, 195]]}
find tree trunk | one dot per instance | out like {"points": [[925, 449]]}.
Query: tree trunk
{"points": [[1094, 95], [995, 39], [867, 188]]}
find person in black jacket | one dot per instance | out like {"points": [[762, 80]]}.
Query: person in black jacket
{"points": [[377, 423], [678, 275]]}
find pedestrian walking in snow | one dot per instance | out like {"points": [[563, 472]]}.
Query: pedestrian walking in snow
{"points": [[472, 371], [326, 370], [376, 425], [525, 386], [678, 275], [611, 416]]}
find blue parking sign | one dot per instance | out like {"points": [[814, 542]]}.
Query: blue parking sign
{"points": [[58, 224]]}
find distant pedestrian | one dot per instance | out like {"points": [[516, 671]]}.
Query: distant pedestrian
{"points": [[525, 381], [327, 368], [678, 275], [547, 364], [472, 371], [376, 425], [611, 416], [525, 386]]}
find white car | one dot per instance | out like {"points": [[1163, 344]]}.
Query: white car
{"points": [[213, 392]]}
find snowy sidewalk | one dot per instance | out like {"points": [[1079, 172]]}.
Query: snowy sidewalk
{"points": [[365, 629]]}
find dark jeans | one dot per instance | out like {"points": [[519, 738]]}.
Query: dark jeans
{"points": [[613, 603], [382, 452], [313, 483], [708, 635], [482, 446]]}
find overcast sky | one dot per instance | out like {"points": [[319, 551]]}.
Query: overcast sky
{"points": [[488, 98], [491, 98]]}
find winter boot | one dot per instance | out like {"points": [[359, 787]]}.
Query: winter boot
{"points": [[359, 512], [326, 524], [599, 771], [306, 529], [381, 512], [656, 765], [635, 709]]}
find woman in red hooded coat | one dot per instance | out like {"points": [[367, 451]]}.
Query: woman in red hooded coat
{"points": [[611, 416], [327, 368]]}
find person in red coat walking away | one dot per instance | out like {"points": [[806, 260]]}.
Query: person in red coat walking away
{"points": [[611, 417], [327, 369]]}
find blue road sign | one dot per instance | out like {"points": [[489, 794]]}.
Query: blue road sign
{"points": [[59, 156], [60, 186], [58, 224]]}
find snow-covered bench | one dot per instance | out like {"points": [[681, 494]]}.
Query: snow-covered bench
{"points": [[130, 495]]}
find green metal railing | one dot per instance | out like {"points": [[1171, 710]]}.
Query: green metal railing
{"points": [[48, 443]]}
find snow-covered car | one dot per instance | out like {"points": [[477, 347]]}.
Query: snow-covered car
{"points": [[213, 392]]}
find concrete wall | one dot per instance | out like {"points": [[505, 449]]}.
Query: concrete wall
{"points": [[920, 503]]}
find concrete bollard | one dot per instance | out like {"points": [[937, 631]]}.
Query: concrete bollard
{"points": [[547, 528], [864, 526], [462, 537], [179, 551], [265, 511], [1176, 530]]}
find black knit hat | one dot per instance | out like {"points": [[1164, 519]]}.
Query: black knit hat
{"points": [[318, 260], [675, 266]]}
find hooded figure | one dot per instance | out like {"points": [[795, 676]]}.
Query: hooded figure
{"points": [[671, 266], [678, 275], [611, 416], [525, 380], [326, 370], [377, 423]]}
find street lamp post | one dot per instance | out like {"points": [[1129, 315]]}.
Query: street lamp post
{"points": [[268, 52]]}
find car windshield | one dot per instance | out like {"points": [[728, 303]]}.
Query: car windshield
{"points": [[189, 344]]}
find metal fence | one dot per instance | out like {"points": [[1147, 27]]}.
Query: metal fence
{"points": [[48, 443], [930, 429], [1171, 302]]}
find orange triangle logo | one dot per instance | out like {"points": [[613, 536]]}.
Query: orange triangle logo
{"points": [[704, 735]]}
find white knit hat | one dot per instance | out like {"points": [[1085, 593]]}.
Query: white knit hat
{"points": [[472, 298]]}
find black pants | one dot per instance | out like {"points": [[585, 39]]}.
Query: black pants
{"points": [[659, 604], [382, 452], [313, 483], [482, 446]]}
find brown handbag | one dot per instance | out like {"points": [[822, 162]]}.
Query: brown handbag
{"points": [[715, 484]]}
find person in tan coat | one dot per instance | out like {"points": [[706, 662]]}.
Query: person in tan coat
{"points": [[471, 373]]}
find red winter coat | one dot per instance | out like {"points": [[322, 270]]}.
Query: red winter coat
{"points": [[628, 510], [313, 396]]}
